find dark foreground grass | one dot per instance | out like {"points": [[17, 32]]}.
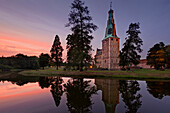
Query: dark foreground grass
{"points": [[135, 74]]}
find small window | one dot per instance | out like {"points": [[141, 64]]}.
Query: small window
{"points": [[105, 61], [112, 39], [116, 39]]}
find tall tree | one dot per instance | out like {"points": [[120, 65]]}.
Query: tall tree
{"points": [[132, 47], [44, 60], [156, 56], [78, 43], [56, 52]]}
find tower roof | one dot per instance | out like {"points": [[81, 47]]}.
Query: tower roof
{"points": [[110, 29]]}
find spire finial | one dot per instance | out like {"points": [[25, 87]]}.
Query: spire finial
{"points": [[110, 5]]}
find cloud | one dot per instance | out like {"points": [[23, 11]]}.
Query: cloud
{"points": [[10, 47]]}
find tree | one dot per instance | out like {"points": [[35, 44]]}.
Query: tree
{"points": [[20, 61], [156, 56], [167, 54], [56, 52], [78, 43], [44, 60], [132, 47]]}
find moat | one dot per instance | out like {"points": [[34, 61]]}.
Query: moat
{"points": [[21, 94]]}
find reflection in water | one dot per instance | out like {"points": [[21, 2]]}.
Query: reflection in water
{"points": [[56, 87], [18, 79], [128, 90], [110, 93], [56, 90], [79, 94], [158, 89]]}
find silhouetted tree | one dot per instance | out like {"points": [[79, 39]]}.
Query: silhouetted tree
{"points": [[156, 56], [44, 60], [56, 52], [20, 61], [132, 47], [79, 94], [78, 43], [128, 90]]}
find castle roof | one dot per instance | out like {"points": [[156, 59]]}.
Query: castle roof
{"points": [[110, 29]]}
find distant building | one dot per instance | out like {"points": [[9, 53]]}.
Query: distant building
{"points": [[143, 64], [108, 56]]}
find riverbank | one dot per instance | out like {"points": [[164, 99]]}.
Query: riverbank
{"points": [[135, 74]]}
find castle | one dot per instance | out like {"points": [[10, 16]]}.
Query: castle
{"points": [[108, 56]]}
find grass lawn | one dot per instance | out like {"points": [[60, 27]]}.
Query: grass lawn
{"points": [[135, 74]]}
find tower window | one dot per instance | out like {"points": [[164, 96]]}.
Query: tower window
{"points": [[116, 39], [105, 61]]}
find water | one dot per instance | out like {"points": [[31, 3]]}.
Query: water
{"points": [[19, 94]]}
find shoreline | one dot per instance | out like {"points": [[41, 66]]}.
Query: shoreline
{"points": [[136, 74]]}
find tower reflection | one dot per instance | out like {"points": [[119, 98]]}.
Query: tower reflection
{"points": [[110, 93]]}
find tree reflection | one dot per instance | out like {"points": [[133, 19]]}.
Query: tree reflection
{"points": [[128, 90], [56, 90], [17, 79], [79, 94], [45, 82], [158, 89], [56, 87]]}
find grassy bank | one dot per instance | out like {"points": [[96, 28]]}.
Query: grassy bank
{"points": [[135, 74]]}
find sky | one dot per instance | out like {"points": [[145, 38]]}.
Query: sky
{"points": [[30, 26]]}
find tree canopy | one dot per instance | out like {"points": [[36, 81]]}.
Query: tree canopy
{"points": [[20, 61], [56, 52], [78, 43], [44, 60], [132, 47], [156, 56]]}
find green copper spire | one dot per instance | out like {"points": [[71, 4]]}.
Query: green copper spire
{"points": [[110, 29]]}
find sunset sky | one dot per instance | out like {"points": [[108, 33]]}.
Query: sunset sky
{"points": [[29, 26]]}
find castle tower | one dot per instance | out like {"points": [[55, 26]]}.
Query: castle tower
{"points": [[110, 45]]}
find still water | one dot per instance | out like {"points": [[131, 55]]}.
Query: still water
{"points": [[19, 94]]}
